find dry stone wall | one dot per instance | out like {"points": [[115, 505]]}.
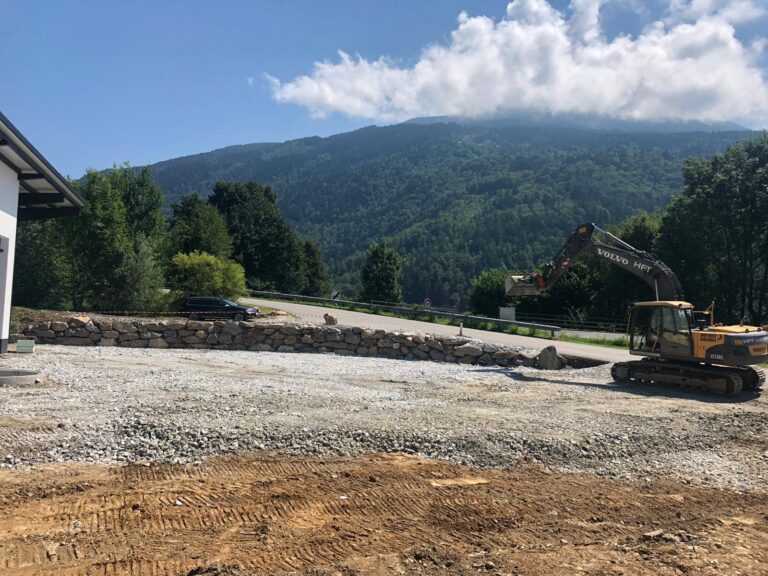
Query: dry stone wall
{"points": [[259, 337]]}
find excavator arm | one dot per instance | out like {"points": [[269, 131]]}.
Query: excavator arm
{"points": [[582, 241]]}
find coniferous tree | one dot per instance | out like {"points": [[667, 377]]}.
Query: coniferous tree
{"points": [[143, 278], [316, 275], [264, 243]]}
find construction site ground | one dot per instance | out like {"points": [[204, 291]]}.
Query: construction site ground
{"points": [[125, 462], [375, 514]]}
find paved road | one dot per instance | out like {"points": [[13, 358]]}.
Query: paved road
{"points": [[314, 314]]}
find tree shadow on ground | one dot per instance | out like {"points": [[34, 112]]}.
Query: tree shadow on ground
{"points": [[646, 390]]}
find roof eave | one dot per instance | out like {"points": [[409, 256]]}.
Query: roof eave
{"points": [[23, 148]]}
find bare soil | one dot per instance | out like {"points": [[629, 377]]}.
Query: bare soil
{"points": [[376, 514]]}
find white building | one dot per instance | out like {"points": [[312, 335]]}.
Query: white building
{"points": [[30, 189]]}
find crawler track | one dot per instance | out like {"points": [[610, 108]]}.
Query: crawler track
{"points": [[721, 380], [268, 514]]}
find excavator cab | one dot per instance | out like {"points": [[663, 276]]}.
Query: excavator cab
{"points": [[661, 328]]}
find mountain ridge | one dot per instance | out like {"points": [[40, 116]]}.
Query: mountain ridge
{"points": [[454, 199]]}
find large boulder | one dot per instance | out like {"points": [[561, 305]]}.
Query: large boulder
{"points": [[468, 349], [549, 359]]}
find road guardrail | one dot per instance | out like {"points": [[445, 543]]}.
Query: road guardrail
{"points": [[406, 310]]}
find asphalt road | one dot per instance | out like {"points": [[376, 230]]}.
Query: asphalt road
{"points": [[314, 315]]}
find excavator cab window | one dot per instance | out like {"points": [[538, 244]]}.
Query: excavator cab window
{"points": [[675, 331], [646, 329], [661, 330]]}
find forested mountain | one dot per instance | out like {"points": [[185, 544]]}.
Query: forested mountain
{"points": [[454, 198]]}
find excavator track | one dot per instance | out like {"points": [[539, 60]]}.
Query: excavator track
{"points": [[721, 380], [753, 377]]}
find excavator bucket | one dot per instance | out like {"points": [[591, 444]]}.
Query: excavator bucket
{"points": [[521, 286]]}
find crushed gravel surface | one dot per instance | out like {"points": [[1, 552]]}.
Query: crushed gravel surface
{"points": [[125, 405]]}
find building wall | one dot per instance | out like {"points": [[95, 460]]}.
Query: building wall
{"points": [[9, 206]]}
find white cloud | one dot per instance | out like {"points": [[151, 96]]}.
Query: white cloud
{"points": [[250, 80], [733, 11], [689, 67], [585, 22]]}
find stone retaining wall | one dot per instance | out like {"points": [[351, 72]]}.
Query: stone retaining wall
{"points": [[258, 337]]}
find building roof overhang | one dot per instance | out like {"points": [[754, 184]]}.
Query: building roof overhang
{"points": [[43, 192]]}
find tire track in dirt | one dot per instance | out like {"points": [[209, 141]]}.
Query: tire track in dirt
{"points": [[270, 514]]}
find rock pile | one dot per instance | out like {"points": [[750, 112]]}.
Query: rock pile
{"points": [[231, 335]]}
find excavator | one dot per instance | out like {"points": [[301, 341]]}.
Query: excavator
{"points": [[679, 345]]}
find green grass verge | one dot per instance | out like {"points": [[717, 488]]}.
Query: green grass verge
{"points": [[20, 315], [618, 342]]}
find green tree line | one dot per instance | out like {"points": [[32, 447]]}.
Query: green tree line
{"points": [[122, 253]]}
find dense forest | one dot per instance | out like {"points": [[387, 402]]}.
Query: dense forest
{"points": [[453, 199], [123, 254]]}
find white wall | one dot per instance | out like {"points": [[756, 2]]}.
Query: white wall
{"points": [[507, 313], [9, 206]]}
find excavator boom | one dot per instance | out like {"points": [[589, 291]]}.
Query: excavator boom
{"points": [[581, 242]]}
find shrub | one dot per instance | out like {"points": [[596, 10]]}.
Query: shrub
{"points": [[204, 274]]}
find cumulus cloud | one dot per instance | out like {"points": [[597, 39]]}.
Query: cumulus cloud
{"points": [[734, 11], [688, 66]]}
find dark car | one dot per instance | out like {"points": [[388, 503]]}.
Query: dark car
{"points": [[201, 307]]}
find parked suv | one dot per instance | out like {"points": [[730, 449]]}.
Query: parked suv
{"points": [[201, 307]]}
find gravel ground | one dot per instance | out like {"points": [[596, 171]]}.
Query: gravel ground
{"points": [[121, 405]]}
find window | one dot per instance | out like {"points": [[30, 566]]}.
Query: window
{"points": [[676, 320], [668, 320]]}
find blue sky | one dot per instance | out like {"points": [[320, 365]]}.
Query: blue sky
{"points": [[94, 83]]}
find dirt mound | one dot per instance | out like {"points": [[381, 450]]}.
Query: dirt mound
{"points": [[267, 514]]}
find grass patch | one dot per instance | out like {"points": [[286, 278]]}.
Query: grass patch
{"points": [[18, 316], [618, 342], [21, 315]]}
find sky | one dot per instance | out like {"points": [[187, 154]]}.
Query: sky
{"points": [[101, 82]]}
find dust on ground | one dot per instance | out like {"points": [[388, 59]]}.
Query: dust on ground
{"points": [[375, 514]]}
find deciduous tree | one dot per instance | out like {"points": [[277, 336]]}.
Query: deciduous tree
{"points": [[199, 226], [715, 234], [487, 292], [382, 275]]}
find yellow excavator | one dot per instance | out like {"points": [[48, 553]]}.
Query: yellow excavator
{"points": [[679, 345]]}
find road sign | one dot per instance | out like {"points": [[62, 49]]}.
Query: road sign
{"points": [[427, 303]]}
